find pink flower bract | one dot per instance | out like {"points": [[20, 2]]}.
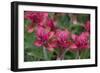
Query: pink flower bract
{"points": [[44, 38], [80, 41], [62, 38]]}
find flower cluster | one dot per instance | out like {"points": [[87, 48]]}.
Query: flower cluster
{"points": [[50, 36]]}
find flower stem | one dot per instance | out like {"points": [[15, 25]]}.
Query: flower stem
{"points": [[78, 54], [45, 53], [62, 54]]}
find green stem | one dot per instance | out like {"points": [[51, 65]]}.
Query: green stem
{"points": [[45, 53], [78, 54], [63, 54]]}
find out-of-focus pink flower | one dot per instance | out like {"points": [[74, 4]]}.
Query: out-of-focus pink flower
{"points": [[80, 41], [87, 26], [28, 15], [44, 38], [42, 34], [36, 17], [50, 24], [63, 38], [43, 18]]}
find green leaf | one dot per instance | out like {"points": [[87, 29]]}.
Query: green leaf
{"points": [[64, 21], [29, 38], [82, 18], [50, 55], [76, 29], [26, 22], [85, 54], [70, 55]]}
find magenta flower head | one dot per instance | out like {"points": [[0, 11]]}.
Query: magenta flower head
{"points": [[36, 19], [80, 41], [28, 15], [42, 36], [45, 39], [51, 24], [62, 38]]}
